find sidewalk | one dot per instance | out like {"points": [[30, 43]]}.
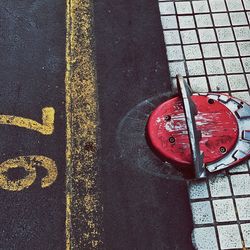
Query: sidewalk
{"points": [[208, 42]]}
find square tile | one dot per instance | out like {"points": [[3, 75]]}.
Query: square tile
{"points": [[172, 37], [186, 22], [219, 186], [214, 67], [217, 5], [169, 22], [221, 19], [195, 67], [229, 236], [200, 6], [207, 35], [199, 84], [238, 18], [243, 205], [166, 8], [189, 37], [229, 49], [183, 7], [210, 50], [198, 190], [244, 96], [246, 64], [205, 238], [248, 80], [174, 53], [244, 48], [242, 33], [247, 4], [246, 234], [239, 169], [241, 184], [218, 83], [225, 34], [202, 212], [177, 68], [234, 5], [237, 82], [192, 51], [203, 21], [233, 65], [224, 210]]}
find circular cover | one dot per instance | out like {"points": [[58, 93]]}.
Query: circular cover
{"points": [[167, 130]]}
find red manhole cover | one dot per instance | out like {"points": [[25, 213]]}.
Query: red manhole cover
{"points": [[167, 130]]}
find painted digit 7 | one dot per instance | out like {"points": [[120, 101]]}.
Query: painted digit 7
{"points": [[29, 163], [46, 128]]}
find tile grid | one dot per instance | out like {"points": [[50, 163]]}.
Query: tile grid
{"points": [[236, 209], [181, 42], [216, 193], [215, 74], [248, 21], [237, 46], [219, 48], [214, 215], [208, 42], [199, 41], [244, 74]]}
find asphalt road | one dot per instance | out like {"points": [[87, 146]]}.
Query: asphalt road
{"points": [[141, 211], [32, 42]]}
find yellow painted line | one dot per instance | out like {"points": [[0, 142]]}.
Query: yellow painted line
{"points": [[45, 128], [83, 208]]}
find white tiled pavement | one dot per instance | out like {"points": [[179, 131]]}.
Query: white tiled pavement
{"points": [[208, 42]]}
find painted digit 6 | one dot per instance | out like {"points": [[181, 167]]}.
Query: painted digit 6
{"points": [[29, 163]]}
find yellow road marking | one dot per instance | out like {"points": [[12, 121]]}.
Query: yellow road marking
{"points": [[29, 163], [83, 211], [46, 128]]}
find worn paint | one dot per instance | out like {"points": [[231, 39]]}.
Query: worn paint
{"points": [[83, 211], [45, 128], [30, 164]]}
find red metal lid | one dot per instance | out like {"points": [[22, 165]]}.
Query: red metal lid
{"points": [[167, 130]]}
